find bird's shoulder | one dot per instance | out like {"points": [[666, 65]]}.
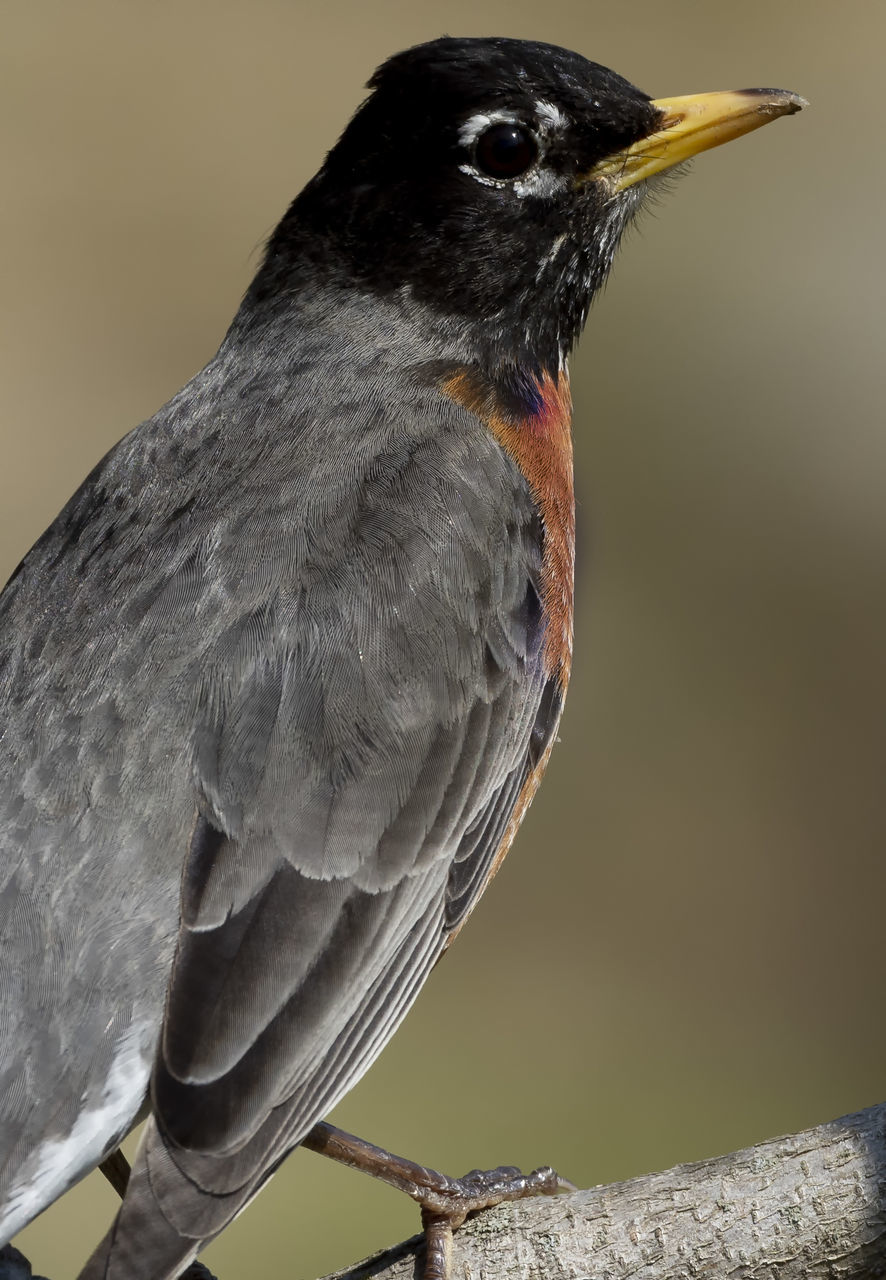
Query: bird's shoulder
{"points": [[249, 485], [346, 553]]}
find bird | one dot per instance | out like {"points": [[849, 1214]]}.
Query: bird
{"points": [[279, 683]]}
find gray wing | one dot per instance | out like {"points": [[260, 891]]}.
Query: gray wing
{"points": [[306, 934]]}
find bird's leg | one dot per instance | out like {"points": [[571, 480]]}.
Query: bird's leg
{"points": [[445, 1202], [115, 1167]]}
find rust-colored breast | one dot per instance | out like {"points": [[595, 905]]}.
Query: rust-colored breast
{"points": [[539, 439], [540, 442]]}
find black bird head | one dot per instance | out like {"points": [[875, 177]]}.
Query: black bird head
{"points": [[491, 180]]}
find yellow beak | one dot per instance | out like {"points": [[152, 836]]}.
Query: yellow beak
{"points": [[690, 125]]}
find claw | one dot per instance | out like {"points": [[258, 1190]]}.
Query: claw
{"points": [[445, 1202]]}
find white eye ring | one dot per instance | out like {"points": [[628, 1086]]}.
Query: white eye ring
{"points": [[536, 179], [471, 134]]}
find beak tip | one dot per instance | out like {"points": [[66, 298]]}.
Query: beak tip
{"points": [[776, 102]]}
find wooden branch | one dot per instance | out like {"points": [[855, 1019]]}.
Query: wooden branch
{"points": [[797, 1208], [809, 1206]]}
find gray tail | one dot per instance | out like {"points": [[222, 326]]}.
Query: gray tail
{"points": [[175, 1203], [142, 1244]]}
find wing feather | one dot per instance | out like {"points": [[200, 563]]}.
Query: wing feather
{"points": [[275, 1009]]}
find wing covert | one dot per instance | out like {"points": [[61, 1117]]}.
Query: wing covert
{"points": [[295, 964]]}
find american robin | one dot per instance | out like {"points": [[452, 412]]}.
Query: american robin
{"points": [[280, 681]]}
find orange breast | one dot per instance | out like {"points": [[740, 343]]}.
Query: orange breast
{"points": [[540, 442]]}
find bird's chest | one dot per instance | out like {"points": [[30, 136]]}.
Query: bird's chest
{"points": [[533, 425]]}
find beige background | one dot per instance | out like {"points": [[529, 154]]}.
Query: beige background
{"points": [[684, 953]]}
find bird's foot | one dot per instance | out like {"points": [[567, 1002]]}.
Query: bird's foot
{"points": [[445, 1207], [445, 1202]]}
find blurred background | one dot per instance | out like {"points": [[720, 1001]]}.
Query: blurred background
{"points": [[684, 953]]}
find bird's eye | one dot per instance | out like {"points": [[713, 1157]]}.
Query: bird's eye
{"points": [[505, 150]]}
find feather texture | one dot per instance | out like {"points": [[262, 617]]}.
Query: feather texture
{"points": [[304, 684]]}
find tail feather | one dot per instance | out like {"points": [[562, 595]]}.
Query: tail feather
{"points": [[142, 1244], [169, 1212]]}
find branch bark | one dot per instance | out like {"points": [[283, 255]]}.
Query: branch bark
{"points": [[797, 1208], [811, 1206]]}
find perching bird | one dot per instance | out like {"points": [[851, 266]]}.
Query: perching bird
{"points": [[278, 684]]}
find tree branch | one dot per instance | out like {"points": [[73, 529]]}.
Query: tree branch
{"points": [[811, 1206], [797, 1208]]}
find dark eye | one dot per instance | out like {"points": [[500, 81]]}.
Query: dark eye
{"points": [[505, 150]]}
